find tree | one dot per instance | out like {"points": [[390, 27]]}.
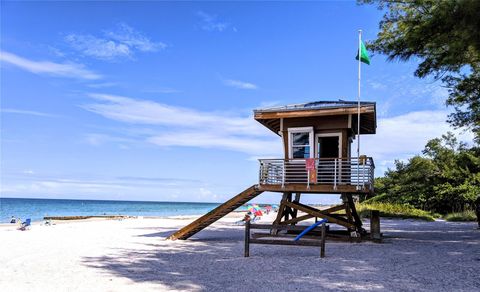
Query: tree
{"points": [[445, 36], [446, 178]]}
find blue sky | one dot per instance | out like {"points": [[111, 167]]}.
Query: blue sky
{"points": [[154, 100]]}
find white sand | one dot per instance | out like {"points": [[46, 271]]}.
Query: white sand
{"points": [[132, 255]]}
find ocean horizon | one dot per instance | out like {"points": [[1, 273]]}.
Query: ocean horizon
{"points": [[37, 208]]}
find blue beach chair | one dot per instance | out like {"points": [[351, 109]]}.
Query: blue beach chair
{"points": [[26, 225]]}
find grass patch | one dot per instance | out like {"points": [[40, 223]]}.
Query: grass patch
{"points": [[394, 210], [468, 215]]}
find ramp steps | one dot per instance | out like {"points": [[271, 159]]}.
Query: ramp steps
{"points": [[217, 213]]}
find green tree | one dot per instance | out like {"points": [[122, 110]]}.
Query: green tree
{"points": [[446, 178], [445, 36]]}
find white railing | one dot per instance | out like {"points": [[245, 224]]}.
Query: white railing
{"points": [[332, 171]]}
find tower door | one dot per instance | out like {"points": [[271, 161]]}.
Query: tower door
{"points": [[328, 149], [328, 145]]}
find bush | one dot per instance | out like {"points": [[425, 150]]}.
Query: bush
{"points": [[394, 210], [383, 198], [445, 179], [468, 215]]}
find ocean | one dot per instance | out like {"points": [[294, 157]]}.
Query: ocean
{"points": [[36, 209]]}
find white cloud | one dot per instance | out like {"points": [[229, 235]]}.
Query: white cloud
{"points": [[69, 70], [95, 139], [163, 90], [406, 89], [212, 139], [403, 136], [377, 85], [102, 85], [31, 184], [122, 42], [210, 22], [125, 34], [27, 112], [137, 111], [177, 126], [240, 84], [96, 47]]}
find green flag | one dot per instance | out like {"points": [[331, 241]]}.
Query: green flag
{"points": [[363, 54]]}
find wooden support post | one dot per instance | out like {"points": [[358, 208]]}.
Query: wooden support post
{"points": [[280, 214], [247, 239], [348, 211], [281, 210], [288, 210], [295, 211], [375, 226], [322, 245], [353, 210]]}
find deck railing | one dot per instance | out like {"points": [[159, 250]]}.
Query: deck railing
{"points": [[354, 171]]}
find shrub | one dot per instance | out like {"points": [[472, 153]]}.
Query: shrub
{"points": [[467, 215], [394, 210]]}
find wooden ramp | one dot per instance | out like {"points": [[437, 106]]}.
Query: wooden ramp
{"points": [[216, 213]]}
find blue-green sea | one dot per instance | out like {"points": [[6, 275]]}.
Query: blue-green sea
{"points": [[36, 209]]}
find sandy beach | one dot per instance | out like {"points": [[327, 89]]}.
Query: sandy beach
{"points": [[132, 255]]}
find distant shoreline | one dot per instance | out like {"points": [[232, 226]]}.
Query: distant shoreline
{"points": [[38, 209]]}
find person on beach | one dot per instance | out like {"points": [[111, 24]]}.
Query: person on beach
{"points": [[13, 220], [244, 220]]}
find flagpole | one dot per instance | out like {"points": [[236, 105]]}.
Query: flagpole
{"points": [[358, 106]]}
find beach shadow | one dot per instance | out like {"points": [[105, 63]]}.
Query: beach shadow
{"points": [[213, 260], [163, 234]]}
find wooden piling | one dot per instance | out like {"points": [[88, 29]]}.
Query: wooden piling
{"points": [[375, 226], [322, 246], [247, 239]]}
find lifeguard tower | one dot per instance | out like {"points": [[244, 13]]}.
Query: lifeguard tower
{"points": [[317, 141]]}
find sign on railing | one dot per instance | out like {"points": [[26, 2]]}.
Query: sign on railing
{"points": [[311, 170]]}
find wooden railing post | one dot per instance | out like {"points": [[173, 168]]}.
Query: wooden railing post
{"points": [[335, 176]]}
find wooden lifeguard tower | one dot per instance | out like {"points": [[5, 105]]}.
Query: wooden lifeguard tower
{"points": [[317, 140]]}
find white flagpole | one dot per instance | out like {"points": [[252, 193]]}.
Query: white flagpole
{"points": [[358, 106]]}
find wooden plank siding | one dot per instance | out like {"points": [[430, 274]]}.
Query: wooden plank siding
{"points": [[318, 123]]}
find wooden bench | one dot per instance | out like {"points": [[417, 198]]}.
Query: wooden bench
{"points": [[278, 240]]}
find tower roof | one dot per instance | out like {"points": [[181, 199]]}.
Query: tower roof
{"points": [[271, 117]]}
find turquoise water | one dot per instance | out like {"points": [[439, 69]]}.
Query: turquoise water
{"points": [[36, 209]]}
